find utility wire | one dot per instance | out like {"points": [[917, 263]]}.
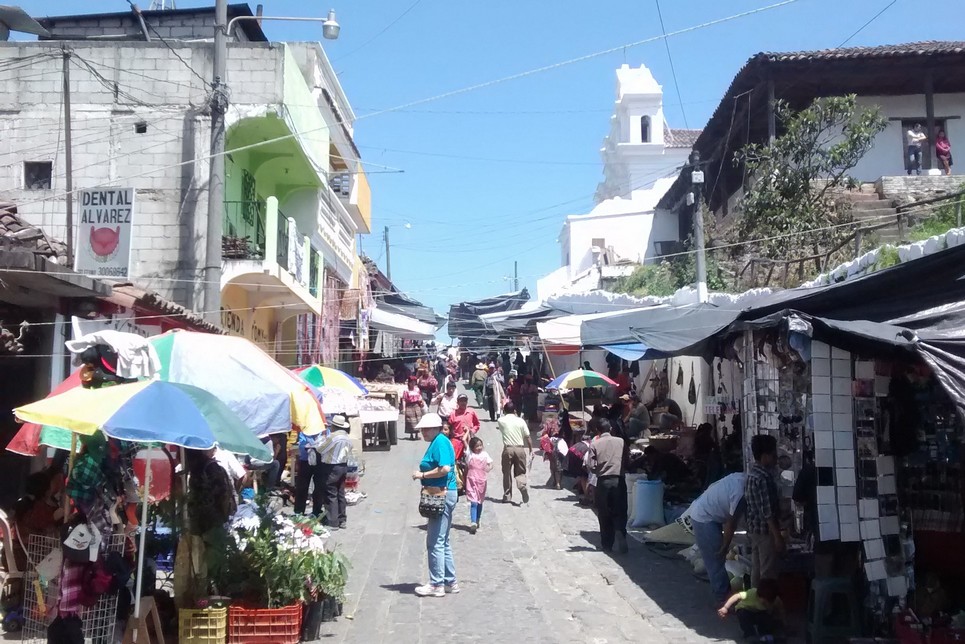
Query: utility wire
{"points": [[862, 27], [578, 59], [378, 35], [173, 50], [673, 70]]}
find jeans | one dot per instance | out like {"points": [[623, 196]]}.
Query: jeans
{"points": [[491, 403], [475, 512], [710, 538], [333, 492], [611, 508], [442, 569], [305, 474], [913, 158], [478, 390]]}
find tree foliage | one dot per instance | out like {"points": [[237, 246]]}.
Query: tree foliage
{"points": [[666, 277], [792, 180]]}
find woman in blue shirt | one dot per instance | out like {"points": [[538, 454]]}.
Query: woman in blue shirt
{"points": [[438, 469]]}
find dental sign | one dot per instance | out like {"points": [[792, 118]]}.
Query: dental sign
{"points": [[104, 229]]}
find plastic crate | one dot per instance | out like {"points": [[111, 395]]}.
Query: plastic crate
{"points": [[264, 625], [204, 626]]}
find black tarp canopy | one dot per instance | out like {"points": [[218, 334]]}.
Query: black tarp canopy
{"points": [[464, 320]]}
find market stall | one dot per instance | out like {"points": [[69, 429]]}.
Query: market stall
{"points": [[261, 575]]}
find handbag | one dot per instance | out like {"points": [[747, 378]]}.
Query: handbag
{"points": [[432, 503]]}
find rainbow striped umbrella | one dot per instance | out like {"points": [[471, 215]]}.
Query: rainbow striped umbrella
{"points": [[580, 379], [150, 411], [320, 376]]}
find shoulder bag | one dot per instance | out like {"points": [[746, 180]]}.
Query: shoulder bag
{"points": [[432, 503]]}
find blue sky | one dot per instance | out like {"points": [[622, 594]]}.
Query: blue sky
{"points": [[490, 174]]}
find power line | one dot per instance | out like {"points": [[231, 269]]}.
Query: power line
{"points": [[482, 159], [380, 33], [673, 70], [578, 59], [173, 51], [862, 27]]}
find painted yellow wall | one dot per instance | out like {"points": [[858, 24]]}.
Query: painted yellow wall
{"points": [[238, 319]]}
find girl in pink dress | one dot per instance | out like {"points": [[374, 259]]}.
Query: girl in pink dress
{"points": [[478, 466]]}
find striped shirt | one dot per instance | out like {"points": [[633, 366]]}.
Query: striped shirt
{"points": [[335, 448]]}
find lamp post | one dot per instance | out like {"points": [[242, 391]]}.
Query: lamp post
{"points": [[330, 27], [219, 105]]}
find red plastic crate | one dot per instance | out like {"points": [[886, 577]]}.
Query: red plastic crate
{"points": [[264, 625]]}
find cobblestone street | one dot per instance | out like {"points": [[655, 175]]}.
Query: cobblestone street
{"points": [[531, 574]]}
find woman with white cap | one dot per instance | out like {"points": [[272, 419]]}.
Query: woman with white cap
{"points": [[437, 472]]}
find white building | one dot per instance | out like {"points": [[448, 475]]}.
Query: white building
{"points": [[641, 157]]}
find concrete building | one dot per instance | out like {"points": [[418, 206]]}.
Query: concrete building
{"points": [[296, 196], [641, 156]]}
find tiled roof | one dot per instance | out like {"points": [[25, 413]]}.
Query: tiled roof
{"points": [[17, 233], [151, 300], [924, 48], [680, 138]]}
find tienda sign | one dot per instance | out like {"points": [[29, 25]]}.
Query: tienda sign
{"points": [[104, 232]]}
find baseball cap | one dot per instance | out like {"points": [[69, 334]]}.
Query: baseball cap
{"points": [[81, 543], [462, 397]]}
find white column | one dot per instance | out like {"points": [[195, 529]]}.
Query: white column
{"points": [[271, 230]]}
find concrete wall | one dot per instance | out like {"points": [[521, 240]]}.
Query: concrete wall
{"points": [[135, 82], [167, 25]]}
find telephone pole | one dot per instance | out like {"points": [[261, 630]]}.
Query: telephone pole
{"points": [[388, 258], [697, 184], [219, 100], [68, 162]]}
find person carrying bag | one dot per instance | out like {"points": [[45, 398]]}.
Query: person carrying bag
{"points": [[437, 500]]}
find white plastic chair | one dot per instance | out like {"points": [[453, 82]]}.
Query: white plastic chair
{"points": [[12, 572]]}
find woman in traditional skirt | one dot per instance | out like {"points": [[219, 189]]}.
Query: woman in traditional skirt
{"points": [[412, 407]]}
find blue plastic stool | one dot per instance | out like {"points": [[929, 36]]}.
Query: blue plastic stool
{"points": [[833, 611]]}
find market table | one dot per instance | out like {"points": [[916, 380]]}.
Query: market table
{"points": [[378, 428]]}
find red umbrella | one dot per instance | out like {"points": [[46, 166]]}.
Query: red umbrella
{"points": [[27, 440]]}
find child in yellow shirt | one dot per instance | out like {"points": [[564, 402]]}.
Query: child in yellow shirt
{"points": [[759, 610]]}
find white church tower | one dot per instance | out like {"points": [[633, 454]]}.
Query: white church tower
{"points": [[640, 149]]}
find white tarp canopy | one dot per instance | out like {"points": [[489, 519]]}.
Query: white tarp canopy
{"points": [[566, 329], [401, 325]]}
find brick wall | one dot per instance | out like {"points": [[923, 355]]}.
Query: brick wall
{"points": [[142, 83], [170, 25]]}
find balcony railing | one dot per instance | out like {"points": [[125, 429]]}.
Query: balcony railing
{"points": [[281, 253], [315, 262], [243, 236]]}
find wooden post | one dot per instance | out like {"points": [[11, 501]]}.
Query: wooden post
{"points": [[771, 113], [928, 153]]}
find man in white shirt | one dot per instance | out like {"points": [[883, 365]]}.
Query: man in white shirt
{"points": [[914, 138], [713, 517], [447, 402], [334, 451]]}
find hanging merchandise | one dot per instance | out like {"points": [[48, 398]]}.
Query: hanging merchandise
{"points": [[680, 375], [692, 390]]}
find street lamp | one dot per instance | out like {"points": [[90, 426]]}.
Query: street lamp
{"points": [[330, 27]]}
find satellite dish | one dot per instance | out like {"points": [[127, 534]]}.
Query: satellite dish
{"points": [[16, 19]]}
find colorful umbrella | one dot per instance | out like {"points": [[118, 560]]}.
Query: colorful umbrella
{"points": [[148, 412], [580, 379], [31, 436], [266, 396], [320, 376]]}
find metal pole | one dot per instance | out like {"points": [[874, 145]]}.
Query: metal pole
{"points": [[515, 276], [388, 258], [68, 162], [212, 257], [143, 536]]}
